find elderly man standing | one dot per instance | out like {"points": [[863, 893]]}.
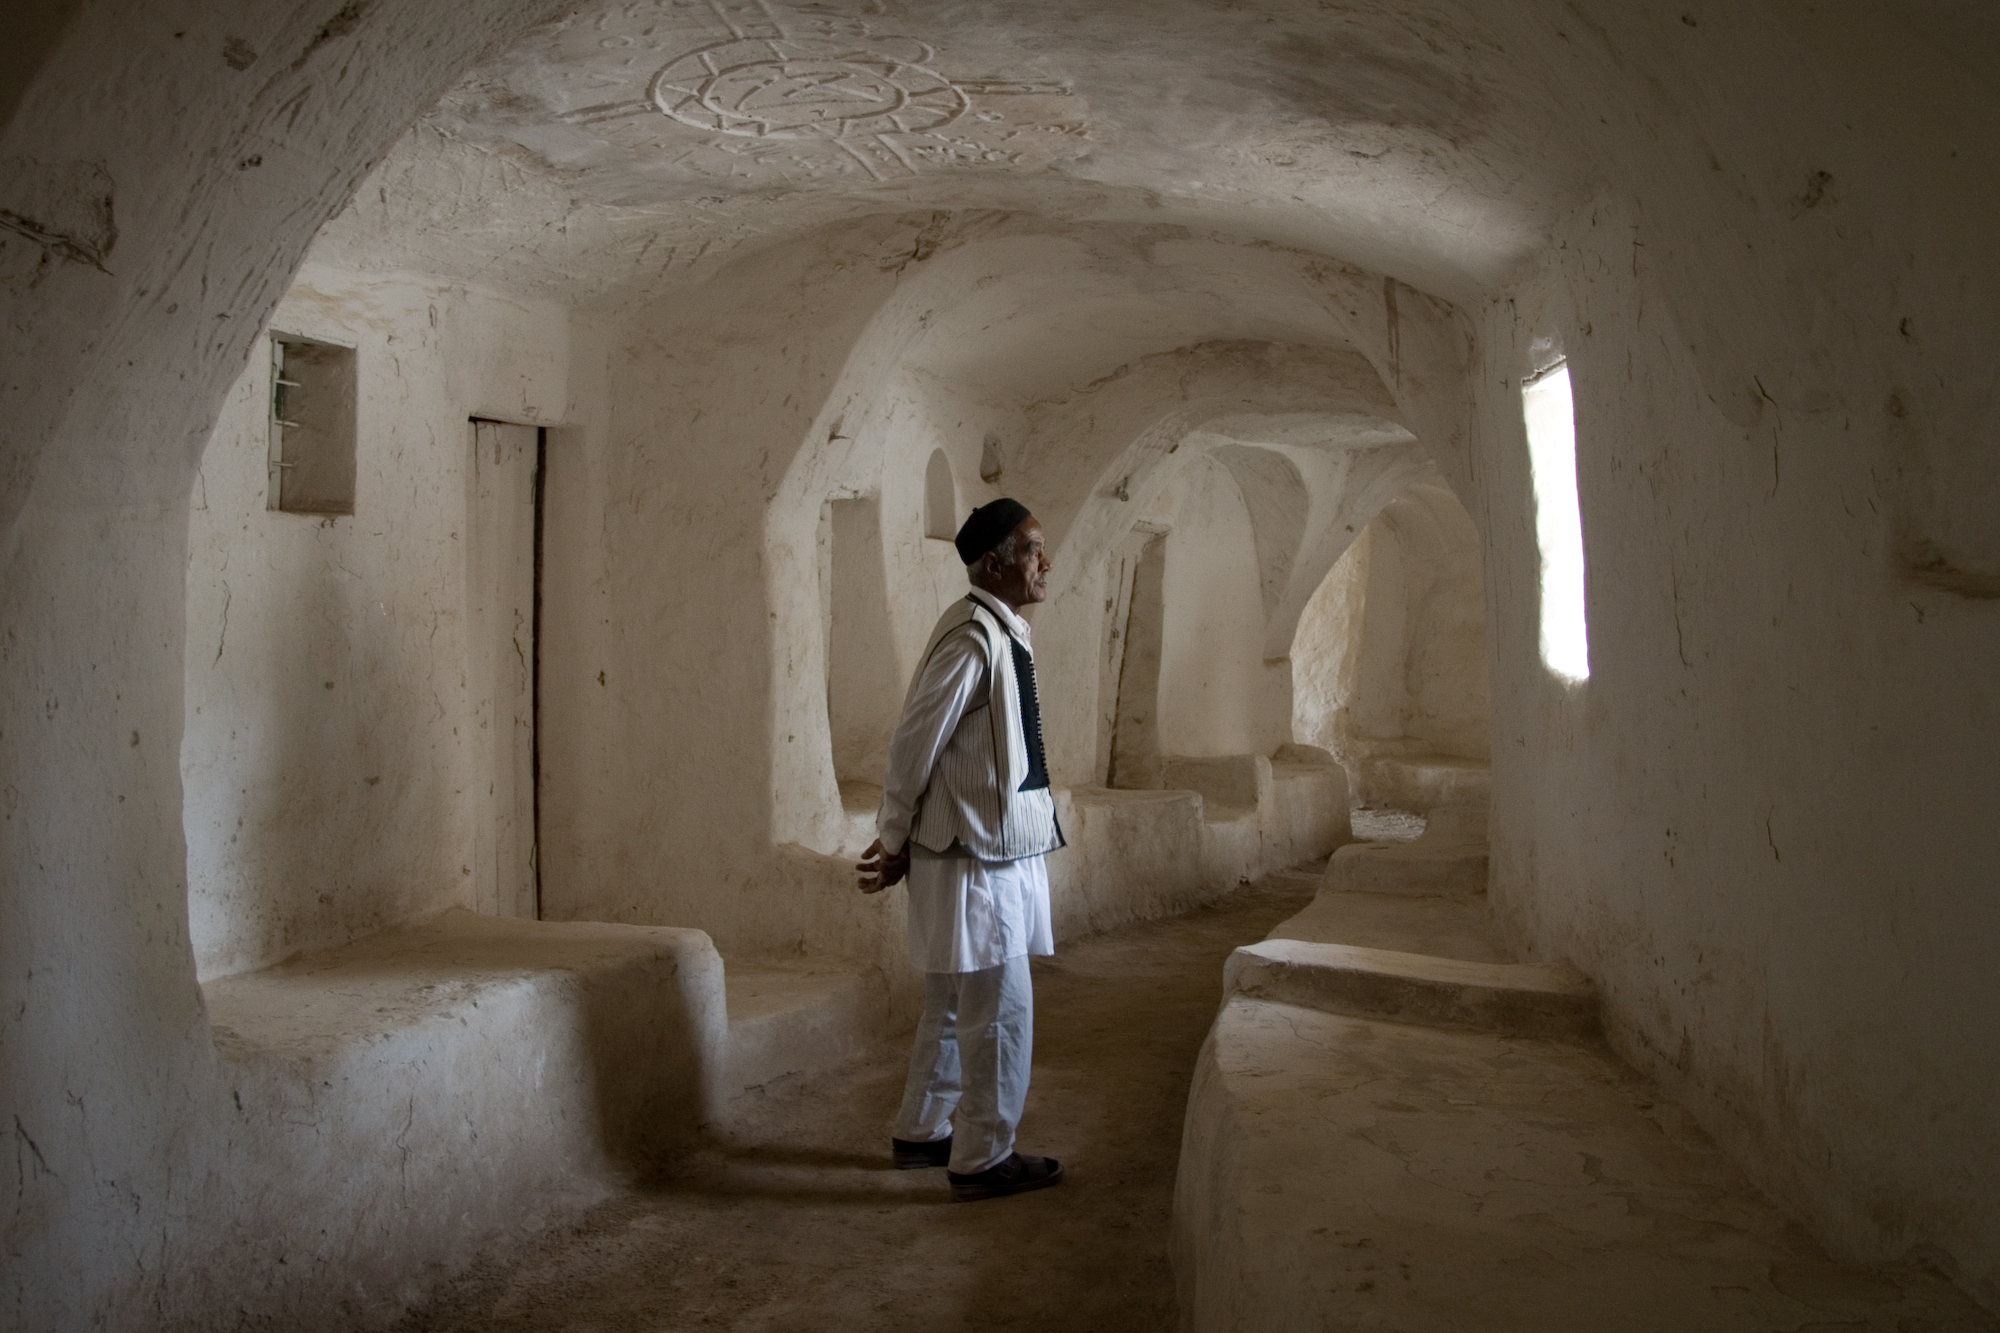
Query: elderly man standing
{"points": [[966, 806]]}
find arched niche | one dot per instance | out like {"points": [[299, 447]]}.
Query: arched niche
{"points": [[940, 498], [862, 690], [1004, 330], [1181, 574]]}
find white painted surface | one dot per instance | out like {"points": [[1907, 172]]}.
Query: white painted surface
{"points": [[397, 1102], [1787, 491], [355, 749]]}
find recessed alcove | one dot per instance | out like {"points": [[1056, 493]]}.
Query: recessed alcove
{"points": [[862, 694], [941, 517]]}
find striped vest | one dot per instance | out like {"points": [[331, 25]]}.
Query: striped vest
{"points": [[990, 790]]}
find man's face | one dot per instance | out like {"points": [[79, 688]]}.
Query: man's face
{"points": [[1024, 580]]}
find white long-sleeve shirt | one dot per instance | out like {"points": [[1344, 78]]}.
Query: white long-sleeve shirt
{"points": [[965, 914]]}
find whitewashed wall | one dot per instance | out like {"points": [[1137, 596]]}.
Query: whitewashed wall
{"points": [[334, 760], [1764, 824]]}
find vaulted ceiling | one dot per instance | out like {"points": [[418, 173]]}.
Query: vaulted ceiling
{"points": [[636, 141]]}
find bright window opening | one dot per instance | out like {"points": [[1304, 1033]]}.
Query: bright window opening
{"points": [[1550, 415]]}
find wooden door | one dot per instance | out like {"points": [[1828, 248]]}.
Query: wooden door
{"points": [[501, 623]]}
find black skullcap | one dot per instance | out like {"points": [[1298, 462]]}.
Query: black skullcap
{"points": [[986, 527]]}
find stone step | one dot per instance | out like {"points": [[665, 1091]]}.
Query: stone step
{"points": [[792, 1019], [1422, 782], [1441, 926], [1523, 999], [1295, 879], [1436, 867]]}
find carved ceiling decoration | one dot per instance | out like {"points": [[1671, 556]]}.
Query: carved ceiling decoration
{"points": [[745, 91]]}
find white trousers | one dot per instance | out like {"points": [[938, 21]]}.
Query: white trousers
{"points": [[974, 1046]]}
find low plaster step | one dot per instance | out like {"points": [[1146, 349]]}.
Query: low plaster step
{"points": [[500, 1019], [1449, 868], [1422, 782], [1449, 859], [1526, 999], [1442, 927], [1346, 1173], [789, 1019], [1260, 811], [1135, 856]]}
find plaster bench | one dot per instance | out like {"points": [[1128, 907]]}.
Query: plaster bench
{"points": [[1261, 813], [1346, 1173], [1459, 927], [1408, 867], [402, 1099], [1132, 856], [1309, 815], [1526, 999], [606, 1036]]}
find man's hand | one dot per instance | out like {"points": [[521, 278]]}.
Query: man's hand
{"points": [[880, 869]]}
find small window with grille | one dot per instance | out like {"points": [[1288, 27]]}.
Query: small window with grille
{"points": [[313, 390]]}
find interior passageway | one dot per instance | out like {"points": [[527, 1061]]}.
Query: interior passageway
{"points": [[475, 481]]}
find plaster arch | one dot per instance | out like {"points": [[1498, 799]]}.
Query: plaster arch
{"points": [[1051, 313], [1316, 479], [1292, 506], [1113, 435], [1390, 655], [1359, 450], [1071, 303], [1099, 458], [1343, 483], [1274, 491]]}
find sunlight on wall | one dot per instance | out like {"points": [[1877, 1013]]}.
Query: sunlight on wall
{"points": [[1551, 420]]}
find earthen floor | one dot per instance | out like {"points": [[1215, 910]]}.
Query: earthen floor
{"points": [[801, 1223]]}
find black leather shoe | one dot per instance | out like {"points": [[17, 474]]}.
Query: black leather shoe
{"points": [[1016, 1175], [916, 1156]]}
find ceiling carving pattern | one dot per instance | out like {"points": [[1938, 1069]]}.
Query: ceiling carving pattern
{"points": [[746, 92], [635, 140]]}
